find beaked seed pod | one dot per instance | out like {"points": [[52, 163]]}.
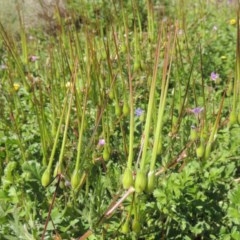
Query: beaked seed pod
{"points": [[207, 151], [46, 177], [151, 182], [118, 110], [232, 118], [137, 65], [75, 179], [111, 94], [193, 133], [126, 109], [127, 179], [125, 227], [136, 226], [200, 151], [106, 153], [140, 182]]}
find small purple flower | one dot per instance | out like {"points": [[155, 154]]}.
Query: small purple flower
{"points": [[33, 58], [101, 142], [214, 76], [139, 112], [196, 111]]}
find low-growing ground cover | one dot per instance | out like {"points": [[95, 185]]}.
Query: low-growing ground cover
{"points": [[123, 124]]}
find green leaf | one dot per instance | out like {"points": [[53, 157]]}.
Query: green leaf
{"points": [[234, 215]]}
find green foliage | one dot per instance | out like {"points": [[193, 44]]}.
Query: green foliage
{"points": [[194, 201]]}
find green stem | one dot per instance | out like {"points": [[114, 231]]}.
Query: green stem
{"points": [[162, 102], [79, 147], [59, 165], [57, 136], [214, 131], [150, 103]]}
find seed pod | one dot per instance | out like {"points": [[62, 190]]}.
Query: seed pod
{"points": [[136, 226], [46, 177], [232, 118], [126, 108], [127, 179], [111, 94], [200, 151], [207, 151], [151, 182], [137, 65], [193, 133], [118, 110], [125, 227], [75, 179], [140, 182], [106, 153], [61, 185]]}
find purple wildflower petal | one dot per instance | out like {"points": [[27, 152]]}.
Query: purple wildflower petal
{"points": [[33, 58], [138, 112], [101, 142], [214, 76], [197, 110]]}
